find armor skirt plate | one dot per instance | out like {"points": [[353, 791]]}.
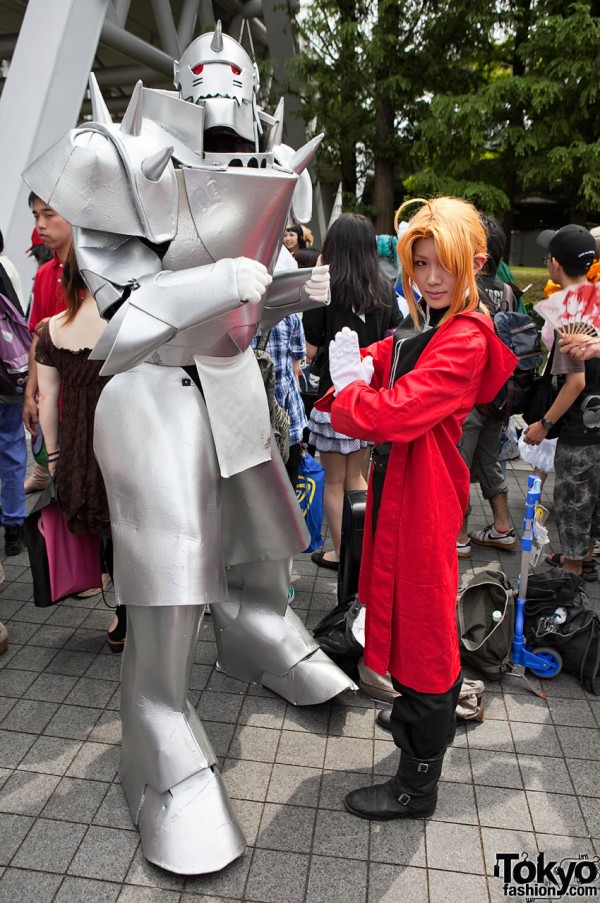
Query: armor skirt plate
{"points": [[175, 521]]}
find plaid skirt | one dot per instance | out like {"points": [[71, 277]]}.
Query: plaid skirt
{"points": [[325, 438]]}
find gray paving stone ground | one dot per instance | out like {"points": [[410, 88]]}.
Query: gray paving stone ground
{"points": [[525, 780]]}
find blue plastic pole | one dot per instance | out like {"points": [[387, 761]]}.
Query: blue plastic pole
{"points": [[534, 489]]}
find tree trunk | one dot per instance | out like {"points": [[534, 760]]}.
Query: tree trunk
{"points": [[516, 115], [385, 40], [349, 98], [383, 188]]}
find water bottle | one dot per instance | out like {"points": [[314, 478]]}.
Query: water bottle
{"points": [[497, 616], [551, 623]]}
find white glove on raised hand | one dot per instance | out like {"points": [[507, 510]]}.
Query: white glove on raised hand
{"points": [[317, 286], [368, 369], [345, 365], [252, 279]]}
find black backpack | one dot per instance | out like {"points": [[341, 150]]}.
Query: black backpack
{"points": [[575, 633], [521, 335]]}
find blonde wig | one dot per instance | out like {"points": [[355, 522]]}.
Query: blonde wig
{"points": [[459, 237]]}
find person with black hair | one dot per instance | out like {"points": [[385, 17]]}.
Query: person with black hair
{"points": [[480, 441], [497, 294], [48, 299], [306, 257], [570, 252], [293, 239], [363, 300], [13, 447]]}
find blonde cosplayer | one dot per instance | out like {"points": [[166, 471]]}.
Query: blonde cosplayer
{"points": [[459, 239]]}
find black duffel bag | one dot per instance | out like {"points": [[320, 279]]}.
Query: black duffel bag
{"points": [[559, 614], [334, 635]]}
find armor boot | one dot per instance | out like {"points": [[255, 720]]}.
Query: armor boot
{"points": [[173, 788], [261, 640], [412, 793]]}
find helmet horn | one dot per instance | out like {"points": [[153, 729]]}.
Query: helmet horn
{"points": [[154, 165], [216, 45], [132, 120], [100, 111]]}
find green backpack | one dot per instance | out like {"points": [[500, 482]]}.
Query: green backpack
{"points": [[485, 642]]}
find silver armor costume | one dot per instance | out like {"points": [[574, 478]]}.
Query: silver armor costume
{"points": [[201, 507]]}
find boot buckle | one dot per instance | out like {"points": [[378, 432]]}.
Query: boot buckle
{"points": [[404, 799], [423, 767]]}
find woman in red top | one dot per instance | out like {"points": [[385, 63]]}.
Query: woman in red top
{"points": [[423, 386]]}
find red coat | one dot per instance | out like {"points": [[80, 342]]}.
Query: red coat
{"points": [[409, 571]]}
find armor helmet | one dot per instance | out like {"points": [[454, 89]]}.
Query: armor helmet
{"points": [[216, 71]]}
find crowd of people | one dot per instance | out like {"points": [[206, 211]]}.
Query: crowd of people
{"points": [[410, 391]]}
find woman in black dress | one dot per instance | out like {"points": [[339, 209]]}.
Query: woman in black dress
{"points": [[362, 300], [70, 386]]}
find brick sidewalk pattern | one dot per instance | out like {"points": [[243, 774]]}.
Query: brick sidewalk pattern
{"points": [[525, 780]]}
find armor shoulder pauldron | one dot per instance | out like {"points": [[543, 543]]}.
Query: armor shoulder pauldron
{"points": [[110, 178]]}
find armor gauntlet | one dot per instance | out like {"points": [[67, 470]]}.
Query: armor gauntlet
{"points": [[188, 297], [162, 304]]}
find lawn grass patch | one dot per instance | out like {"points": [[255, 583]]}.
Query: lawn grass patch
{"points": [[537, 276]]}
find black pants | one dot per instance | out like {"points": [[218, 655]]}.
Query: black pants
{"points": [[422, 722], [293, 463]]}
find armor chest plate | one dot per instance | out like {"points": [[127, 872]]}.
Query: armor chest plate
{"points": [[233, 212]]}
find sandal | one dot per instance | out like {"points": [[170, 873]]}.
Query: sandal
{"points": [[116, 637], [588, 568], [589, 572]]}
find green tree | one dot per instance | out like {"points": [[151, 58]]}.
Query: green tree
{"points": [[368, 71], [531, 127], [331, 92], [492, 101]]}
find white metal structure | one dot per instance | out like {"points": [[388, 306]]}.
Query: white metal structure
{"points": [[49, 49]]}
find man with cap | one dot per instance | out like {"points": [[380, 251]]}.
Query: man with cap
{"points": [[570, 253]]}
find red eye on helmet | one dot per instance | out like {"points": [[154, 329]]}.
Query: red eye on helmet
{"points": [[198, 69], [236, 71]]}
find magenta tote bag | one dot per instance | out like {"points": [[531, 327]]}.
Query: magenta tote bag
{"points": [[74, 560]]}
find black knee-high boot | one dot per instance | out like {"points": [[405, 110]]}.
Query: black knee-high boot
{"points": [[412, 793], [422, 725]]}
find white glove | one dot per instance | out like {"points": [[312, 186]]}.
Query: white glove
{"points": [[345, 365], [368, 369], [252, 279], [317, 286]]}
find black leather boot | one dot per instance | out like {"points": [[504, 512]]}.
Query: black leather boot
{"points": [[13, 539], [411, 794]]}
